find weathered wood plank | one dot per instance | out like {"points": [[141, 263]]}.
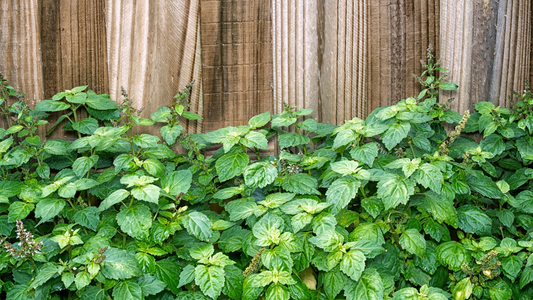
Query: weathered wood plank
{"points": [[154, 50], [20, 55], [486, 46], [237, 61]]}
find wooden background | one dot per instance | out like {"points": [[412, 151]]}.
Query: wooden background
{"points": [[342, 58]]}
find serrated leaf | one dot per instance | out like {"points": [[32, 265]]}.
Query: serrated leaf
{"points": [[150, 285], [341, 192], [366, 153], [231, 165], [51, 105], [44, 273], [334, 282], [452, 254], [353, 264], [127, 290], [259, 120], [474, 220], [86, 126], [369, 287], [394, 189], [210, 280], [119, 264], [177, 182], [171, 133], [48, 208], [292, 139], [135, 221], [19, 210], [300, 183], [88, 217], [395, 134], [83, 164], [260, 174], [114, 198], [414, 242], [198, 225], [441, 208], [429, 176], [148, 193], [168, 272]]}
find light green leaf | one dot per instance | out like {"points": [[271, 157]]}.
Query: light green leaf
{"points": [[414, 242], [353, 264], [255, 140], [474, 220], [369, 287], [150, 285], [100, 103], [114, 198], [119, 264], [276, 199], [154, 167], [441, 208], [86, 126], [170, 134], [148, 193], [210, 279], [186, 276], [44, 273], [341, 192], [448, 86], [395, 134], [231, 165], [268, 230], [334, 282], [394, 189], [177, 182], [452, 254], [48, 208], [51, 105], [82, 279], [135, 221], [198, 225], [259, 120], [292, 139], [260, 174], [429, 176], [344, 138], [83, 164], [145, 140], [87, 217], [366, 153], [300, 183], [277, 292], [19, 210], [127, 290], [56, 147], [241, 209], [345, 167]]}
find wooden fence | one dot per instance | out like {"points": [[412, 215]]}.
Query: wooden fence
{"points": [[342, 58]]}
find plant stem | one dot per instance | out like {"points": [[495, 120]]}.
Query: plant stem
{"points": [[70, 202]]}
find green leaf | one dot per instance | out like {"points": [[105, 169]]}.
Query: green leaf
{"points": [[83, 164], [82, 280], [353, 264], [333, 283], [394, 189], [186, 276], [328, 240], [369, 287], [114, 198], [414, 242], [512, 265], [452, 254], [526, 277], [48, 208], [150, 285], [56, 147], [300, 183], [429, 176], [148, 193], [483, 185], [67, 278], [259, 120], [276, 199], [145, 140], [45, 272], [161, 114], [127, 290], [198, 225], [100, 103], [231, 165], [227, 193], [341, 192], [241, 209], [345, 167], [524, 201], [474, 220], [484, 107], [177, 182], [19, 210], [292, 139], [50, 105], [135, 221], [277, 292], [86, 126], [494, 144], [87, 217], [282, 121], [344, 138], [19, 292], [189, 115], [233, 284], [268, 229], [210, 279], [500, 290], [255, 140], [119, 264], [232, 239], [395, 134], [171, 133], [448, 86], [168, 272], [10, 188], [260, 174], [366, 153], [154, 167], [441, 208]]}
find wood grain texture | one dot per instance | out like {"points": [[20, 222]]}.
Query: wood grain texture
{"points": [[20, 53], [320, 57], [399, 33], [153, 50], [486, 45], [236, 61]]}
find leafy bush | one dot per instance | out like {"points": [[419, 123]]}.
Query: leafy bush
{"points": [[388, 207]]}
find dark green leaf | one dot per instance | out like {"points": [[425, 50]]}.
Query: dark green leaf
{"points": [[452, 254], [127, 290], [48, 208], [231, 165], [474, 220]]}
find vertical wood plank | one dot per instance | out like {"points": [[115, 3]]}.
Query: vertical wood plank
{"points": [[485, 46], [20, 54], [237, 61], [154, 51]]}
